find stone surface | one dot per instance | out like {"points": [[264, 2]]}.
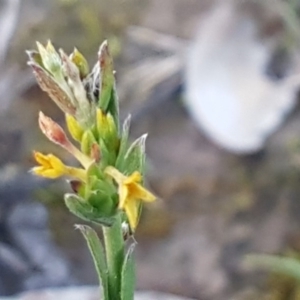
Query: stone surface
{"points": [[85, 293], [194, 270], [229, 93], [48, 266], [28, 257]]}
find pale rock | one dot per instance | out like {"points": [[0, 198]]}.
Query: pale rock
{"points": [[85, 293], [228, 92]]}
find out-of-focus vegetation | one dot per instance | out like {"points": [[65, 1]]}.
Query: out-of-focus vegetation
{"points": [[79, 23]]}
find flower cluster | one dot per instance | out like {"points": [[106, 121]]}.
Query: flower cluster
{"points": [[110, 179]]}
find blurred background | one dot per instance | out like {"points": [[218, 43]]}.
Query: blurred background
{"points": [[215, 84]]}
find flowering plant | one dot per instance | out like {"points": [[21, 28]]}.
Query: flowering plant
{"points": [[108, 187]]}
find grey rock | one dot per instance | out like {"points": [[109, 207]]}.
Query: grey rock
{"points": [[12, 258], [194, 251], [85, 293], [28, 223], [13, 269], [29, 216]]}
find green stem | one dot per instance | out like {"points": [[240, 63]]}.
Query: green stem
{"points": [[114, 248]]}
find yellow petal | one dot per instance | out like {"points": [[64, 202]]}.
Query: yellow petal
{"points": [[101, 119], [81, 157], [115, 174], [134, 177], [50, 166], [56, 163], [138, 192], [49, 161], [76, 172], [123, 195], [41, 158], [132, 212], [131, 193], [48, 173]]}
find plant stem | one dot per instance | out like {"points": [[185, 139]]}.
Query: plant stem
{"points": [[114, 248]]}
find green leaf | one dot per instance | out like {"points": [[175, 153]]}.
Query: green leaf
{"points": [[107, 157], [98, 255], [82, 209], [104, 203], [123, 143], [50, 58], [128, 275], [35, 57], [134, 159], [94, 171], [108, 99], [113, 106], [107, 78], [283, 265], [105, 186], [55, 91]]}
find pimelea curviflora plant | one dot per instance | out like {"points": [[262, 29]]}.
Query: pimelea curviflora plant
{"points": [[108, 187]]}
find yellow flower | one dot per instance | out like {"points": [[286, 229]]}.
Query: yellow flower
{"points": [[131, 193], [52, 167]]}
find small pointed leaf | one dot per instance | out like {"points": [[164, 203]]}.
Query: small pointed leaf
{"points": [[53, 89], [128, 275], [283, 265], [108, 100], [134, 159], [123, 142], [82, 209], [97, 251], [106, 76]]}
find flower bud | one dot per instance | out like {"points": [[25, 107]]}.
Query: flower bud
{"points": [[106, 127], [87, 141], [85, 113], [57, 135], [81, 63], [52, 130], [50, 58], [74, 128]]}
